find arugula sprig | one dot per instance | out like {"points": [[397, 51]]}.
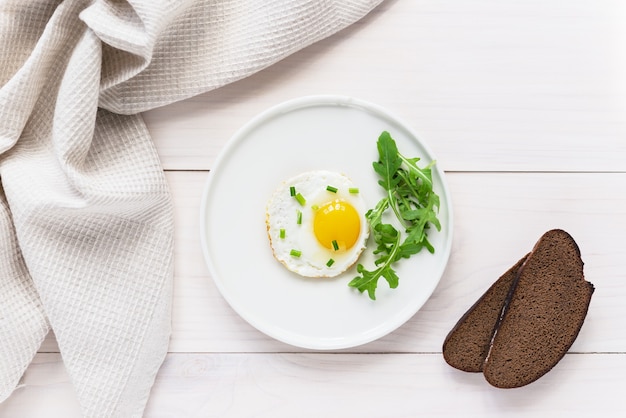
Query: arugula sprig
{"points": [[410, 196]]}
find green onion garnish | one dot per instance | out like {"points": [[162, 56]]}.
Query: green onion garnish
{"points": [[335, 245], [295, 253], [282, 233], [331, 189], [292, 190], [315, 207], [353, 190], [300, 199], [299, 217], [330, 262]]}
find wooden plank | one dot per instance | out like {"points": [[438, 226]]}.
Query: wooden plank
{"points": [[338, 385], [492, 86], [498, 218]]}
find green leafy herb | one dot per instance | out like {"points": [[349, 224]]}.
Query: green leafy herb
{"points": [[410, 196], [330, 262], [331, 189], [295, 253], [353, 190], [282, 233]]}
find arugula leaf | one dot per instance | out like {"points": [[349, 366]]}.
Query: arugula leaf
{"points": [[410, 195]]}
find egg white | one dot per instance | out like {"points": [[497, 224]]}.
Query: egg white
{"points": [[282, 213]]}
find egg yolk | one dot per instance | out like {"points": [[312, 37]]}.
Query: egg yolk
{"points": [[337, 221]]}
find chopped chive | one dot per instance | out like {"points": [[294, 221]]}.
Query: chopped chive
{"points": [[299, 217], [300, 199], [353, 190], [295, 253], [331, 189], [335, 245], [315, 207], [330, 262], [292, 190], [282, 233]]}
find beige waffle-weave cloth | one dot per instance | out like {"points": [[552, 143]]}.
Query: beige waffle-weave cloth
{"points": [[86, 225]]}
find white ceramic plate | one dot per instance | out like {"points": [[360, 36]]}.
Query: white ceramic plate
{"points": [[318, 132]]}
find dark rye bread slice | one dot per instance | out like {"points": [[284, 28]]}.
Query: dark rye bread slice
{"points": [[540, 317], [467, 345], [544, 314]]}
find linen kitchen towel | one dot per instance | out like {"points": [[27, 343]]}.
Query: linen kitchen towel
{"points": [[86, 228]]}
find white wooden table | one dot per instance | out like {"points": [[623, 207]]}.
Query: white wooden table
{"points": [[524, 105]]}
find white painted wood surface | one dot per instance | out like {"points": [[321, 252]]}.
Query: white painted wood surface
{"points": [[524, 104]]}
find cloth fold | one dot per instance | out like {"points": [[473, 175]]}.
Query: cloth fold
{"points": [[86, 220]]}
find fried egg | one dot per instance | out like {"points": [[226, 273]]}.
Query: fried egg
{"points": [[316, 224]]}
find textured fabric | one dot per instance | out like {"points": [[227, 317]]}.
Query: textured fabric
{"points": [[86, 228]]}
